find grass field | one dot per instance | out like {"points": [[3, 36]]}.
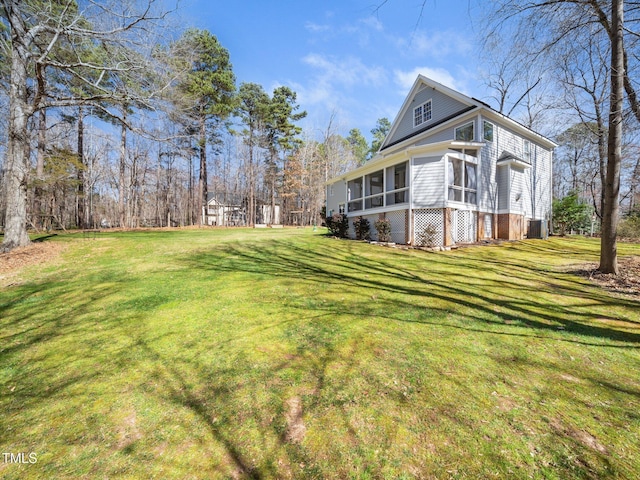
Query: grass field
{"points": [[286, 354]]}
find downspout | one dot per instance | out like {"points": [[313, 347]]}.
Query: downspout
{"points": [[410, 233]]}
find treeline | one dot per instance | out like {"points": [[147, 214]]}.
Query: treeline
{"points": [[108, 123]]}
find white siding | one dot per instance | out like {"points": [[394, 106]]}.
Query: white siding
{"points": [[540, 183], [487, 182], [428, 182], [339, 195], [503, 188], [518, 195], [535, 183]]}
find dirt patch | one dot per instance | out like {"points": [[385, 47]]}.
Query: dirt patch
{"points": [[295, 426], [627, 282], [38, 253], [585, 438], [128, 432]]}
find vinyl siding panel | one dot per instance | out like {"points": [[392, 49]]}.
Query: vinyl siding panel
{"points": [[339, 195], [535, 181], [487, 183], [428, 182], [540, 183], [518, 195], [442, 106], [502, 178]]}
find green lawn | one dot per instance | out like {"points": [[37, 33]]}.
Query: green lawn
{"points": [[287, 354]]}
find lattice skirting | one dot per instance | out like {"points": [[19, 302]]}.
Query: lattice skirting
{"points": [[428, 227], [464, 226], [398, 221]]}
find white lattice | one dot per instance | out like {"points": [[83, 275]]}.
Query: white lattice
{"points": [[428, 227], [465, 224], [398, 221]]}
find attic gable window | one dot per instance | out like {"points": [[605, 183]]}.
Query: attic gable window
{"points": [[422, 113]]}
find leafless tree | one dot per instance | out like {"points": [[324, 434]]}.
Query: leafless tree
{"points": [[37, 33]]}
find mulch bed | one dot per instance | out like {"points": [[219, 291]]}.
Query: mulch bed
{"points": [[627, 282]]}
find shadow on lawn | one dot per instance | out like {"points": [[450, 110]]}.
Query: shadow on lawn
{"points": [[491, 292]]}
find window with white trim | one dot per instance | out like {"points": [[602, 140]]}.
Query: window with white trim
{"points": [[422, 113], [465, 133], [527, 151], [487, 131], [462, 181]]}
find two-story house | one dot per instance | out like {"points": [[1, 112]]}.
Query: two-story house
{"points": [[451, 170]]}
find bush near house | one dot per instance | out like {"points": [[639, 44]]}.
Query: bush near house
{"points": [[338, 225], [362, 228], [383, 227]]}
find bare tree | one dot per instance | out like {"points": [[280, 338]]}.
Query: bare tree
{"points": [[544, 30], [37, 29]]}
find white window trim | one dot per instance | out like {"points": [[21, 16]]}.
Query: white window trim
{"points": [[465, 159], [422, 105], [493, 131], [455, 131], [527, 152]]}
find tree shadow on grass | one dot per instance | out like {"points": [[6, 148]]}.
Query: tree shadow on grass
{"points": [[490, 292]]}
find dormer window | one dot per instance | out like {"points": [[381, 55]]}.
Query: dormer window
{"points": [[422, 113]]}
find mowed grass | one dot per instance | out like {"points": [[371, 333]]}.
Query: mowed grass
{"points": [[286, 354]]}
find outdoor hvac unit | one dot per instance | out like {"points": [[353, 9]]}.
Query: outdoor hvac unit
{"points": [[538, 229]]}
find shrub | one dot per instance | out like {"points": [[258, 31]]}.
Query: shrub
{"points": [[338, 225], [383, 227], [361, 226], [629, 227], [427, 238], [570, 213]]}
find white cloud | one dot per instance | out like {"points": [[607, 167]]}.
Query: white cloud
{"points": [[346, 72], [316, 28], [406, 79], [436, 44]]}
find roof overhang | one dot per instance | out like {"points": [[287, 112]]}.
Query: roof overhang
{"points": [[381, 160], [508, 158]]}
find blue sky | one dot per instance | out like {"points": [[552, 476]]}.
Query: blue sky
{"points": [[344, 56]]}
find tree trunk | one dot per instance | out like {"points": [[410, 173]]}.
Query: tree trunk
{"points": [[608, 244], [81, 206], [121, 176], [202, 183], [38, 200], [17, 161]]}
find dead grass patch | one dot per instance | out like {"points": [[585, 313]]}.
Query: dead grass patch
{"points": [[295, 426], [38, 253]]}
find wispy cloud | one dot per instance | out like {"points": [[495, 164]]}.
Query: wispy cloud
{"points": [[435, 44], [405, 79], [347, 71], [317, 28]]}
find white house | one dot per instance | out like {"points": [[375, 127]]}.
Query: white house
{"points": [[451, 170]]}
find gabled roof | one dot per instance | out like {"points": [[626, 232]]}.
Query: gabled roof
{"points": [[420, 81], [470, 104]]}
